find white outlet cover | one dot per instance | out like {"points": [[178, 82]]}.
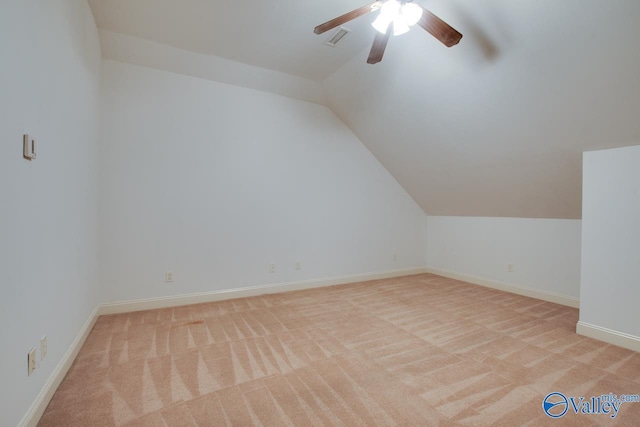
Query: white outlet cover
{"points": [[43, 347], [31, 361]]}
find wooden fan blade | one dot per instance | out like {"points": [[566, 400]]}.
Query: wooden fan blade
{"points": [[347, 17], [439, 29], [379, 45]]}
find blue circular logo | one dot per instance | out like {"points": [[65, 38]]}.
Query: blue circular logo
{"points": [[555, 404]]}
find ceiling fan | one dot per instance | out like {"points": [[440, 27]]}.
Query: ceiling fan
{"points": [[396, 16]]}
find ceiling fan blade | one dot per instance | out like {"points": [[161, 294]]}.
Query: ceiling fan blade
{"points": [[439, 29], [379, 45], [347, 17]]}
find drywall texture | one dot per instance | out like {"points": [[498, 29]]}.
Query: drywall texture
{"points": [[50, 83], [544, 253], [215, 182], [610, 286]]}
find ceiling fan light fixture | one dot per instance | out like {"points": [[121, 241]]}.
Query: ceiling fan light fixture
{"points": [[401, 14]]}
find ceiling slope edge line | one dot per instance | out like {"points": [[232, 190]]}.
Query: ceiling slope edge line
{"points": [[331, 107], [133, 50]]}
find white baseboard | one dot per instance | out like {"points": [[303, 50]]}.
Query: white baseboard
{"points": [[197, 298], [608, 335], [38, 406], [527, 292]]}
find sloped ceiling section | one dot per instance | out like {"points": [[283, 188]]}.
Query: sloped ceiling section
{"points": [[273, 34], [494, 126]]}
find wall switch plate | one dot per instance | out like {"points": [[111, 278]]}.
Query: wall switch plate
{"points": [[272, 268], [43, 347], [168, 276], [31, 361], [395, 257], [510, 268], [28, 147], [298, 265]]}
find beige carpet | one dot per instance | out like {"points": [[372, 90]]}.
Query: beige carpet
{"points": [[414, 351]]}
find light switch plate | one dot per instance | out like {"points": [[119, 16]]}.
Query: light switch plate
{"points": [[28, 147]]}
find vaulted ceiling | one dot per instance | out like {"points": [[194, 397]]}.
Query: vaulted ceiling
{"points": [[494, 126]]}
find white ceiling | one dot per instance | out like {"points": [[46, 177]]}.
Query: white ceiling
{"points": [[273, 34], [492, 127]]}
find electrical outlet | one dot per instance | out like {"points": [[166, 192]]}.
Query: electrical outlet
{"points": [[168, 276], [510, 268], [272, 268], [298, 265], [31, 361], [43, 347]]}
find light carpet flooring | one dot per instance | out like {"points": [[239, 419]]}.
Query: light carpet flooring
{"points": [[419, 350]]}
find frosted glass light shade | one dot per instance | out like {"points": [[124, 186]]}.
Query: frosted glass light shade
{"points": [[400, 26], [381, 24], [411, 13], [390, 10]]}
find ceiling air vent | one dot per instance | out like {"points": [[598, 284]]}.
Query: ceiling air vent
{"points": [[337, 36]]}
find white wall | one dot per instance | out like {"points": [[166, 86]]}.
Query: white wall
{"points": [[610, 287], [544, 253], [49, 87], [215, 182]]}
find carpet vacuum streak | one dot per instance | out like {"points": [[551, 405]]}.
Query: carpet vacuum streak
{"points": [[419, 350]]}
